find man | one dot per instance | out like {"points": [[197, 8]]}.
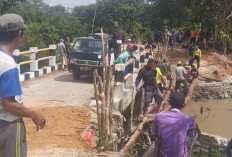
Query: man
{"points": [[148, 73], [177, 130], [67, 45], [12, 130], [118, 39], [193, 36], [191, 53], [210, 43], [63, 54], [160, 78], [197, 56], [194, 72], [123, 58], [180, 72]]}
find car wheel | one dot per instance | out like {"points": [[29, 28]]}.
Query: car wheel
{"points": [[76, 76]]}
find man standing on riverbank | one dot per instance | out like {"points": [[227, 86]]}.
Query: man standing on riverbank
{"points": [[177, 130], [148, 74], [12, 130]]}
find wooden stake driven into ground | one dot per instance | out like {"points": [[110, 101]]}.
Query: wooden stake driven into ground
{"points": [[95, 76]]}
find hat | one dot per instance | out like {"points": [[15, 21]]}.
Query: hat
{"points": [[179, 62], [177, 99], [11, 22]]}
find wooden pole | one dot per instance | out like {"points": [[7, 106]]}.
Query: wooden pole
{"points": [[110, 109], [103, 57], [103, 109], [107, 96], [95, 76]]}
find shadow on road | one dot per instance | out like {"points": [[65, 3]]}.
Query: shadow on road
{"points": [[69, 78]]}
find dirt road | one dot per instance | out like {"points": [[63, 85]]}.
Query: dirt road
{"points": [[63, 101]]}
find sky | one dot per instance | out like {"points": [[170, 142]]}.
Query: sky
{"points": [[69, 3]]}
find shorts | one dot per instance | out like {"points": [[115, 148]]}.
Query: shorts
{"points": [[64, 60], [156, 94], [13, 139]]}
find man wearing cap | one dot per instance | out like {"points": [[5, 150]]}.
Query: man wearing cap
{"points": [[177, 130], [180, 72], [148, 74], [118, 38], [63, 54], [197, 56], [12, 130]]}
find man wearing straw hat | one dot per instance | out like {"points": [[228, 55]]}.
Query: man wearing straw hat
{"points": [[12, 130]]}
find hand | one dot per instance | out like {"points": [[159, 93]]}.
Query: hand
{"points": [[39, 121], [137, 89]]}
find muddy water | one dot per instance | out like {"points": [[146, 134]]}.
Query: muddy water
{"points": [[212, 116]]}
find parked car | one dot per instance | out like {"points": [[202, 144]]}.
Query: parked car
{"points": [[86, 55]]}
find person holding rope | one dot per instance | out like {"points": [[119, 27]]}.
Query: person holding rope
{"points": [[148, 74], [12, 130], [177, 131]]}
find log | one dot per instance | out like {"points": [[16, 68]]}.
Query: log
{"points": [[190, 91], [135, 136], [95, 76], [103, 109]]}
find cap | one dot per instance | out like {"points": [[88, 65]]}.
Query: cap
{"points": [[11, 22], [196, 47], [177, 99], [179, 62]]}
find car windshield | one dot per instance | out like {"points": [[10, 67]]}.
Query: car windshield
{"points": [[89, 45]]}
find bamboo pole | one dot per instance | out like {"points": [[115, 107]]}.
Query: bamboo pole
{"points": [[103, 109], [103, 58], [107, 97], [95, 76], [110, 109]]}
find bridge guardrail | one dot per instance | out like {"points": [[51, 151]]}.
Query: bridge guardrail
{"points": [[34, 60]]}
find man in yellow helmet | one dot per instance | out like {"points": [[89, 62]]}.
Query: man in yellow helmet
{"points": [[180, 72]]}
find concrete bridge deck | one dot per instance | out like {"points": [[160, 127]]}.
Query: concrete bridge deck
{"points": [[58, 88]]}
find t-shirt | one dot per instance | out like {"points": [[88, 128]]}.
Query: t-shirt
{"points": [[158, 75], [173, 127], [193, 33], [122, 58], [197, 53], [162, 68], [180, 71], [196, 71], [61, 47], [9, 84]]}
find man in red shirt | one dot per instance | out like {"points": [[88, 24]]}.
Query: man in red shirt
{"points": [[193, 36]]}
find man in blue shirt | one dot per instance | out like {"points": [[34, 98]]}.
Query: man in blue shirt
{"points": [[123, 58], [12, 129]]}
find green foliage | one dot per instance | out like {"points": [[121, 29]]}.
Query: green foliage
{"points": [[131, 151]]}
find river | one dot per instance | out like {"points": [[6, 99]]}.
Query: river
{"points": [[215, 117]]}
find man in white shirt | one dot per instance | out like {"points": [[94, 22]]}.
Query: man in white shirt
{"points": [[180, 72]]}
